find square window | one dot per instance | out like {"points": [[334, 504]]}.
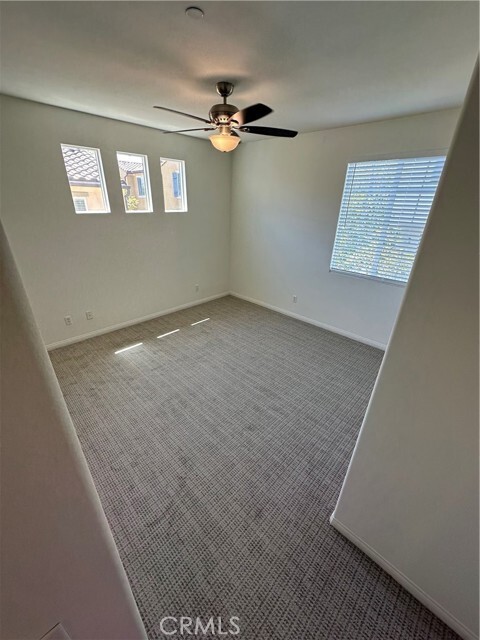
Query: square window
{"points": [[177, 187], [141, 186], [85, 177], [135, 183], [174, 184], [385, 206], [80, 204]]}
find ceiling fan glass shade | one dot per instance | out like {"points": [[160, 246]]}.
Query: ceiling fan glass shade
{"points": [[225, 141]]}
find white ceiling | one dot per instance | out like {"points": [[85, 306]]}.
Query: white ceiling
{"points": [[317, 64]]}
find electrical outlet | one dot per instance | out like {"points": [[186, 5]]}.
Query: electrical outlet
{"points": [[294, 298], [68, 320], [89, 315], [197, 287]]}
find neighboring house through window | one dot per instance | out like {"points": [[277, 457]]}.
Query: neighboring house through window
{"points": [[177, 189], [141, 186], [174, 184], [80, 204], [85, 177], [384, 209], [135, 182]]}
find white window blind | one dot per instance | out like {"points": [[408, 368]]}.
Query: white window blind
{"points": [[385, 206]]}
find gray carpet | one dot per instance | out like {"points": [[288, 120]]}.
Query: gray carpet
{"points": [[218, 453]]}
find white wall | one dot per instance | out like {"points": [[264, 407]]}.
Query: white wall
{"points": [[283, 211], [59, 561], [286, 199], [122, 267], [410, 498]]}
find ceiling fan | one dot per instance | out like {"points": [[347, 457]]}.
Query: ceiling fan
{"points": [[228, 120]]}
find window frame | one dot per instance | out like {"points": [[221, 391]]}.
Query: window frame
{"points": [[405, 155], [183, 180], [148, 188], [103, 184]]}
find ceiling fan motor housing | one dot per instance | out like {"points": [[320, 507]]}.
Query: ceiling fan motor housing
{"points": [[221, 118], [221, 113]]}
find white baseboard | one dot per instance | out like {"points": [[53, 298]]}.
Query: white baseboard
{"points": [[322, 325], [409, 585], [129, 323]]}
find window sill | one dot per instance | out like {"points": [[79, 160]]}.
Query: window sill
{"points": [[89, 213], [395, 283]]}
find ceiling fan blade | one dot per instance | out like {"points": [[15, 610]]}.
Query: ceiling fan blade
{"points": [[184, 130], [249, 114], [181, 113], [270, 131]]}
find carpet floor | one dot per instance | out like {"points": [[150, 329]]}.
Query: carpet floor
{"points": [[218, 452]]}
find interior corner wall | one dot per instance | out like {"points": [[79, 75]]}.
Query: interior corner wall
{"points": [[285, 203], [261, 222], [122, 267], [410, 497], [59, 563]]}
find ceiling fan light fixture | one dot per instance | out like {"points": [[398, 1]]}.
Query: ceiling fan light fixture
{"points": [[226, 117], [225, 142]]}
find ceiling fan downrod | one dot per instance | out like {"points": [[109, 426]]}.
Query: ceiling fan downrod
{"points": [[229, 120], [221, 113], [224, 89]]}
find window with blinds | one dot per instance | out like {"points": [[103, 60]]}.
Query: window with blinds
{"points": [[385, 206]]}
